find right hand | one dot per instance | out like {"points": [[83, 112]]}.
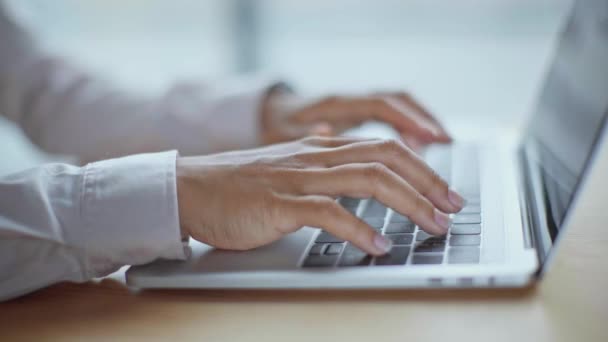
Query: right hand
{"points": [[246, 199]]}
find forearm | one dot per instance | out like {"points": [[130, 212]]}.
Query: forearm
{"points": [[60, 222], [64, 109]]}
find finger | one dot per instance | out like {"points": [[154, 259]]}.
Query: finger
{"points": [[407, 104], [377, 181], [413, 103], [415, 144], [323, 212], [322, 129], [333, 142], [353, 111], [390, 112], [438, 133], [401, 160]]}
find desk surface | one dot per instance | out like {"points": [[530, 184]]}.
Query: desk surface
{"points": [[570, 304]]}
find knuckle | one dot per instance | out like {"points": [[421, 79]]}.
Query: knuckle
{"points": [[390, 146], [318, 202], [325, 207], [392, 151], [301, 157], [256, 169], [378, 102], [308, 159], [406, 94], [282, 214], [376, 175], [376, 171]]}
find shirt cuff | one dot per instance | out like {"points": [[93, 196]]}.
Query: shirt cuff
{"points": [[130, 213], [223, 117]]}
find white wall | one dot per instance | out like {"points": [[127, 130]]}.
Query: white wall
{"points": [[466, 58]]}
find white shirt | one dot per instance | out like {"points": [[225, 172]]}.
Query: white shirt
{"points": [[61, 222]]}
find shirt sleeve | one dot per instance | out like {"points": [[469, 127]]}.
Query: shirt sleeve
{"points": [[65, 110], [65, 223]]}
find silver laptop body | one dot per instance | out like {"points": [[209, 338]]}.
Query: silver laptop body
{"points": [[522, 194]]}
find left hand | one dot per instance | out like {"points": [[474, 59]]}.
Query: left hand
{"points": [[287, 116]]}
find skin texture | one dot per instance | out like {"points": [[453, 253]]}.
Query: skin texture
{"points": [[246, 199]]}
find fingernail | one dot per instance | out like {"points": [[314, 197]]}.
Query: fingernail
{"points": [[456, 199], [430, 132], [442, 219], [382, 243], [436, 131]]}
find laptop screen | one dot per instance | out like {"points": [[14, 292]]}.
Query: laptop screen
{"points": [[572, 107]]}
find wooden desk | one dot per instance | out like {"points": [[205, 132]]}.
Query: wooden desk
{"points": [[571, 304]]}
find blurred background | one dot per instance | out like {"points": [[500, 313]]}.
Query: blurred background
{"points": [[481, 59]]}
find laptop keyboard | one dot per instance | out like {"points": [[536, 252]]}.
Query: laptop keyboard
{"points": [[459, 165]]}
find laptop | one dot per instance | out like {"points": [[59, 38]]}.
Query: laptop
{"points": [[521, 199]]}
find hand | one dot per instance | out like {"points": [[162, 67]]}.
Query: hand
{"points": [[243, 200], [286, 117]]}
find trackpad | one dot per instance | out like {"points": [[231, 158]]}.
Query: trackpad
{"points": [[284, 254]]}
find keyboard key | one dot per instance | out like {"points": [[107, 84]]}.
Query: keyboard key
{"points": [[427, 259], [375, 222], [374, 209], [435, 244], [399, 218], [334, 248], [320, 261], [466, 218], [401, 239], [317, 249], [400, 227], [397, 256], [352, 210], [465, 229], [473, 200], [470, 209], [421, 236], [463, 255], [465, 240], [325, 237], [349, 202], [353, 256]]}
